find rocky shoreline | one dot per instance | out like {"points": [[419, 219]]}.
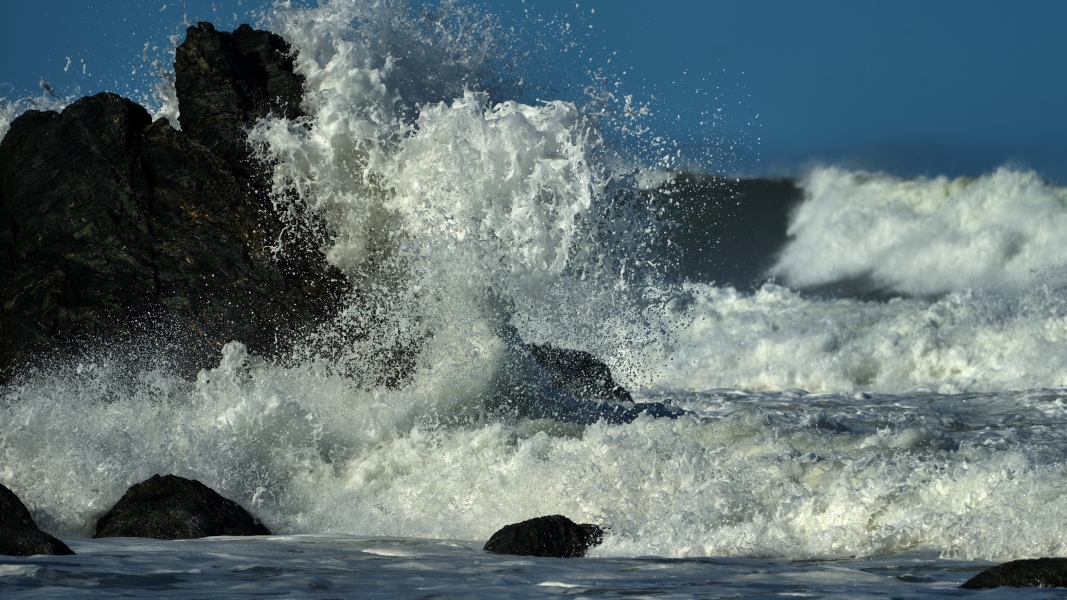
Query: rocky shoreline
{"points": [[124, 232], [175, 508], [120, 230], [116, 226]]}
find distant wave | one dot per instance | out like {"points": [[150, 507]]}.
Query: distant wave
{"points": [[777, 339], [1004, 231]]}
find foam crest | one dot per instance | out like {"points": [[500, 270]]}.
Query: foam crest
{"points": [[389, 152], [776, 339], [1003, 230], [511, 174], [308, 452]]}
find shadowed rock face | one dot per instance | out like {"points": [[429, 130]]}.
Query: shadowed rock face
{"points": [[13, 513], [1039, 572], [578, 373], [19, 535], [175, 508], [114, 227], [31, 542], [226, 81], [553, 536]]}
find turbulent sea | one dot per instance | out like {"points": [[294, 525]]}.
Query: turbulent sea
{"points": [[876, 379]]}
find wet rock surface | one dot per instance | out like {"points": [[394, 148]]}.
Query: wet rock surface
{"points": [[226, 81], [578, 373], [31, 542], [552, 536], [113, 227], [1038, 572], [175, 508], [13, 513], [19, 535]]}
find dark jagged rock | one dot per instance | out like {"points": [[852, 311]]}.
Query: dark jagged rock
{"points": [[19, 535], [571, 386], [115, 227], [553, 536], [13, 513], [1038, 572], [175, 508], [226, 81], [31, 542], [578, 373]]}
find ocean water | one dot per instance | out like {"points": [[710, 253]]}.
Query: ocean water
{"points": [[877, 410]]}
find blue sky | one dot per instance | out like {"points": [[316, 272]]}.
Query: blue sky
{"points": [[954, 87]]}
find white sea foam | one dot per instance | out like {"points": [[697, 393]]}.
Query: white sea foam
{"points": [[1003, 231], [459, 213], [312, 453], [777, 339]]}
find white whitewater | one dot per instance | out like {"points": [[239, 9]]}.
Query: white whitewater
{"points": [[1001, 231]]}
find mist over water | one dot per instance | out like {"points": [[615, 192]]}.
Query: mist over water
{"points": [[824, 424]]}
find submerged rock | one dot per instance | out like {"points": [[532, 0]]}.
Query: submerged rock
{"points": [[19, 535], [1038, 572], [114, 227], [175, 508], [569, 386], [553, 536]]}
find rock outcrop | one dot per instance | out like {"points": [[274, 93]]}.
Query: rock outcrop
{"points": [[19, 535], [117, 230], [226, 81], [114, 227], [578, 373], [13, 513], [1038, 572], [553, 536], [31, 542], [175, 508]]}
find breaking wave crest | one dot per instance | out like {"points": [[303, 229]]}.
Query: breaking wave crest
{"points": [[1001, 231]]}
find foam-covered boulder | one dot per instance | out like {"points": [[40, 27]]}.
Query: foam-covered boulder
{"points": [[552, 536], [1037, 572], [19, 535], [175, 508]]}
